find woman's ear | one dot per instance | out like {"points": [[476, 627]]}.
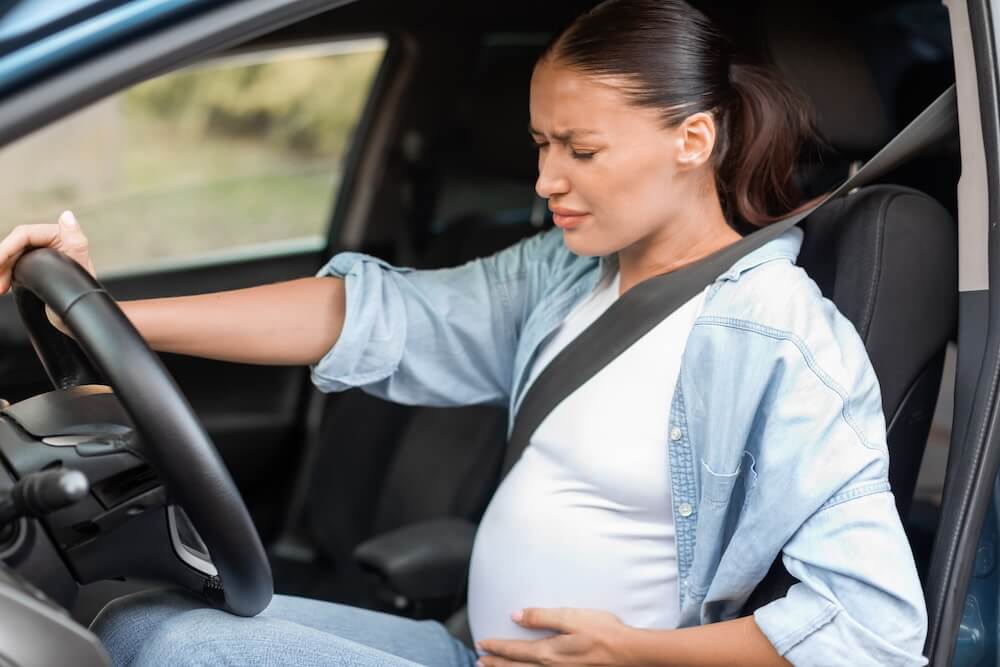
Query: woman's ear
{"points": [[697, 138]]}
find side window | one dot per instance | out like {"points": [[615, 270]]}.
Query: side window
{"points": [[239, 151]]}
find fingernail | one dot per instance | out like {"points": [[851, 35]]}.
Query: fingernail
{"points": [[518, 615], [480, 663], [68, 218]]}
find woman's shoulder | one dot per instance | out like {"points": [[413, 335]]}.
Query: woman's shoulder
{"points": [[776, 293], [777, 300]]}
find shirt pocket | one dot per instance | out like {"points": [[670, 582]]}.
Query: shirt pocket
{"points": [[717, 486]]}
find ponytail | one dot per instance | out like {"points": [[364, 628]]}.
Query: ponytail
{"points": [[678, 62], [768, 122]]}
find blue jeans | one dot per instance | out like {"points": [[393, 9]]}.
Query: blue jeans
{"points": [[171, 628]]}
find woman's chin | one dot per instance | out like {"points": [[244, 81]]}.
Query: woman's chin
{"points": [[579, 242]]}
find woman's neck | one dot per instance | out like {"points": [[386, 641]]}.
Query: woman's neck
{"points": [[692, 235]]}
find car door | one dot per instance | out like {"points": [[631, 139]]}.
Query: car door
{"points": [[962, 585], [223, 172]]}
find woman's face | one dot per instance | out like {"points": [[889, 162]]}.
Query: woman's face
{"points": [[611, 167]]}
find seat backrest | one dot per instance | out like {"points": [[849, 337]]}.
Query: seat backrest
{"points": [[887, 256], [384, 466], [447, 460]]}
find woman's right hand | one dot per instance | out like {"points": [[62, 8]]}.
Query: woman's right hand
{"points": [[64, 236]]}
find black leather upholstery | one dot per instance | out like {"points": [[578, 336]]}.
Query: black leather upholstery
{"points": [[428, 572], [814, 53], [383, 466], [887, 257], [389, 466]]}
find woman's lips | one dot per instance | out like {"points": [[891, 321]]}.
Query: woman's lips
{"points": [[565, 218]]}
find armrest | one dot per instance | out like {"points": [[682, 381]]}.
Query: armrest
{"points": [[422, 561]]}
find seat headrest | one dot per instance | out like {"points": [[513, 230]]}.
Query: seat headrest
{"points": [[813, 50]]}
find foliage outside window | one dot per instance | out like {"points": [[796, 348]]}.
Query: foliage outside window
{"points": [[235, 152]]}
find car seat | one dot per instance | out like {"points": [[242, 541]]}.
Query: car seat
{"points": [[382, 466], [870, 253]]}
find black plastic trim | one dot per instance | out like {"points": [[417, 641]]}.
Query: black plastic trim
{"points": [[969, 480], [366, 128]]}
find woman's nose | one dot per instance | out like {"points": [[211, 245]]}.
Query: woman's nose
{"points": [[551, 180]]}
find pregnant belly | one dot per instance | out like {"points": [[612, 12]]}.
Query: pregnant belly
{"points": [[543, 543]]}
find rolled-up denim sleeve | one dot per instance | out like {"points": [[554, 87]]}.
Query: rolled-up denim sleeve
{"points": [[858, 600], [434, 337]]}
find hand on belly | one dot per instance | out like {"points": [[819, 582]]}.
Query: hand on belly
{"points": [[576, 636]]}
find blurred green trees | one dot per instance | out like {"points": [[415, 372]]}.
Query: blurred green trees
{"points": [[241, 151], [309, 106]]}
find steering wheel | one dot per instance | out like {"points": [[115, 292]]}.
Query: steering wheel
{"points": [[174, 443]]}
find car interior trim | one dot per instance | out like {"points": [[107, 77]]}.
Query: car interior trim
{"points": [[973, 218], [228, 256], [187, 555], [369, 167], [969, 482]]}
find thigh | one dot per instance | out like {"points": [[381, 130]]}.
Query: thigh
{"points": [[173, 628]]}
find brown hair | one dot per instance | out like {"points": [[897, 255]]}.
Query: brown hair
{"points": [[676, 60]]}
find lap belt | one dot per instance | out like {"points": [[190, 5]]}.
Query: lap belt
{"points": [[644, 306]]}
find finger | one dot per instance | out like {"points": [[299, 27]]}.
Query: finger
{"points": [[72, 240], [495, 661], [544, 619], [26, 236], [20, 239], [530, 651]]}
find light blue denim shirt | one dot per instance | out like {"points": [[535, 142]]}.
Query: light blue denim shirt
{"points": [[776, 433]]}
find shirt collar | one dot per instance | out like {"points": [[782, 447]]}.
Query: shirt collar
{"points": [[785, 246]]}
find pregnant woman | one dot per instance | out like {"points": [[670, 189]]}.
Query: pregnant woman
{"points": [[652, 501]]}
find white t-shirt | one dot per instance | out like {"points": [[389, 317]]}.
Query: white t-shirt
{"points": [[584, 519]]}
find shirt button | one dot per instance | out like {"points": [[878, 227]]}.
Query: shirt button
{"points": [[685, 510], [675, 434]]}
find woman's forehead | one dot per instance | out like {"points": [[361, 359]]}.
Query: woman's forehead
{"points": [[564, 100], [569, 98]]}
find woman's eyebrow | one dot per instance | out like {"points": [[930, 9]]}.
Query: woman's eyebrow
{"points": [[568, 135]]}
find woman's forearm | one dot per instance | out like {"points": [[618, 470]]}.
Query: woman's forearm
{"points": [[293, 322], [735, 642]]}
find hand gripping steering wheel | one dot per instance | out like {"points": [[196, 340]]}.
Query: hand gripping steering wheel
{"points": [[173, 441]]}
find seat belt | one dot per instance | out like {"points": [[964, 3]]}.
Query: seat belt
{"points": [[647, 304]]}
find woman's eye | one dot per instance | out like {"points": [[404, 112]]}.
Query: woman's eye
{"points": [[581, 155]]}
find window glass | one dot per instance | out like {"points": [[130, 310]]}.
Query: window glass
{"points": [[237, 151]]}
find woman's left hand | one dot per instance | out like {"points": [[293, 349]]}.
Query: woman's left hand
{"points": [[588, 637]]}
